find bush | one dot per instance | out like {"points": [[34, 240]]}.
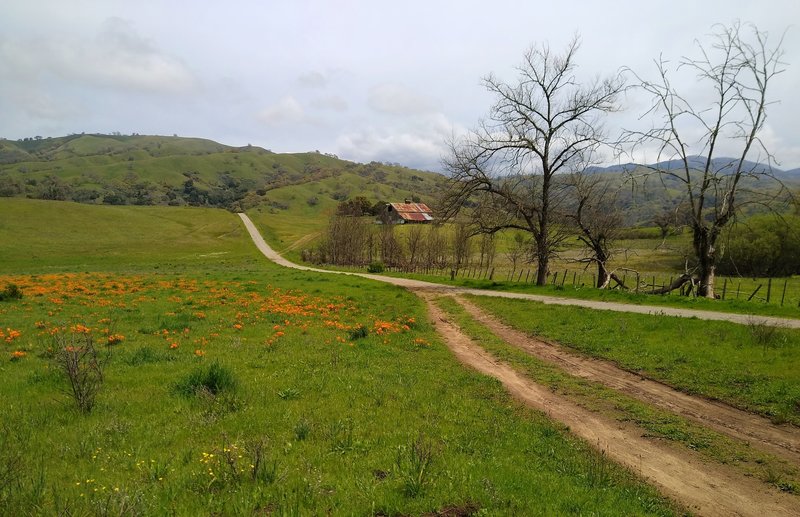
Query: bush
{"points": [[376, 267], [763, 246], [76, 356], [10, 292], [214, 380]]}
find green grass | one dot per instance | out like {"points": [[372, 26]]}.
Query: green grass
{"points": [[45, 236], [322, 419], [749, 366], [654, 422]]}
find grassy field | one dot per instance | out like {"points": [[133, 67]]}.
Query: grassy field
{"points": [[753, 367], [235, 387], [46, 236]]}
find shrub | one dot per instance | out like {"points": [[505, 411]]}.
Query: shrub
{"points": [[10, 292], [213, 379], [376, 267], [79, 360]]}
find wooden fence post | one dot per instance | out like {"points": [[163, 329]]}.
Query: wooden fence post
{"points": [[724, 288], [783, 295], [769, 288], [754, 293]]}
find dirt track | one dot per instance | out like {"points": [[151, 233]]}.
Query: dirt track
{"points": [[705, 488], [782, 440]]}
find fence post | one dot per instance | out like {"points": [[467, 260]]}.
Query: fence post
{"points": [[564, 278], [520, 276], [769, 288], [738, 290], [724, 288], [754, 292], [452, 274], [574, 274], [528, 274], [783, 295]]}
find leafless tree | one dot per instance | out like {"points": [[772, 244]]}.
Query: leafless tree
{"points": [[539, 126], [517, 250], [737, 66], [597, 219], [414, 244], [461, 246]]}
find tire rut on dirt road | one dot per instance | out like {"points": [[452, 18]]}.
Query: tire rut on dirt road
{"points": [[707, 489], [782, 440]]}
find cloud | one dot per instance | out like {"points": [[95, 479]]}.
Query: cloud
{"points": [[286, 111], [118, 57], [312, 80], [419, 144], [333, 103], [395, 99]]}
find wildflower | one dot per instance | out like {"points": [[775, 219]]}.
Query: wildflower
{"points": [[113, 339], [174, 345], [199, 353], [16, 355]]}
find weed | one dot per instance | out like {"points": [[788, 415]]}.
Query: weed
{"points": [[76, 356], [413, 463], [212, 380], [289, 394], [763, 335], [302, 429]]}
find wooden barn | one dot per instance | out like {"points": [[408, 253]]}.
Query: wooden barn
{"points": [[406, 213]]}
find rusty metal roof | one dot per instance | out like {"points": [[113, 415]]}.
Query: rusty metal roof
{"points": [[417, 208], [414, 216]]}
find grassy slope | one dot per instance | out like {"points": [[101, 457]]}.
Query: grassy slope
{"points": [[39, 236], [338, 417]]}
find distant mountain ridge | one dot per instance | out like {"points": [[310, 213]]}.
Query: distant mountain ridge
{"points": [[722, 164]]}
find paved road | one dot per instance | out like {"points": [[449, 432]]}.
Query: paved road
{"points": [[744, 319]]}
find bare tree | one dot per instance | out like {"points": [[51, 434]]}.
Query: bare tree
{"points": [[737, 68], [415, 243], [598, 221], [539, 126]]}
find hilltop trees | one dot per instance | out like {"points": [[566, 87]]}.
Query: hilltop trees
{"points": [[736, 69], [544, 123]]}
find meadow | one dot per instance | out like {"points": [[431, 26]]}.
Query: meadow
{"points": [[232, 386]]}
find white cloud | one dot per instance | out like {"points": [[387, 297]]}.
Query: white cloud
{"points": [[118, 58], [286, 111], [312, 80], [333, 103], [396, 99], [420, 143]]}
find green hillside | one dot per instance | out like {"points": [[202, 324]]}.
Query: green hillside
{"points": [[176, 171]]}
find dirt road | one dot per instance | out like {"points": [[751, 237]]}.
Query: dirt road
{"points": [[743, 319], [783, 440], [705, 488]]}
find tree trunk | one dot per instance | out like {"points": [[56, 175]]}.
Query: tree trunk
{"points": [[704, 241], [603, 276]]}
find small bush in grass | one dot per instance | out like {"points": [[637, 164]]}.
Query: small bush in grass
{"points": [[376, 267], [359, 332], [213, 379], [10, 292], [76, 356]]}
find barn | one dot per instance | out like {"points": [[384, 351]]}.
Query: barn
{"points": [[406, 213]]}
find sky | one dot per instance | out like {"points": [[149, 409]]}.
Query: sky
{"points": [[365, 80]]}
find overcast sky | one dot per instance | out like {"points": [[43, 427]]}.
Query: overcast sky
{"points": [[366, 80]]}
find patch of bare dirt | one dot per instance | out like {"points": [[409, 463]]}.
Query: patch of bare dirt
{"points": [[707, 489], [782, 440]]}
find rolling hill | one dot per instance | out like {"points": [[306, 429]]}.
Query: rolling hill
{"points": [[176, 171]]}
